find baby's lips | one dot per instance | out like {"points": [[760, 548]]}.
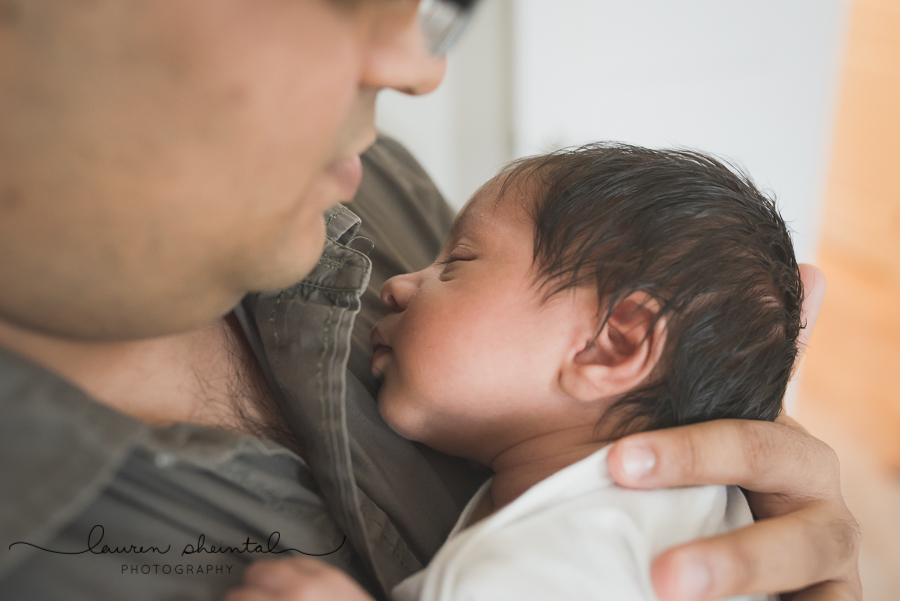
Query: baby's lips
{"points": [[379, 350], [376, 340]]}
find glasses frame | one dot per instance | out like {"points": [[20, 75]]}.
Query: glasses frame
{"points": [[443, 21]]}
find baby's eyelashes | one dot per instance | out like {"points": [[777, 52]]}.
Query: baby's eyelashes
{"points": [[451, 264], [459, 252], [452, 259]]}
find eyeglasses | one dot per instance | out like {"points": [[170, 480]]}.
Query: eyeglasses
{"points": [[442, 21]]}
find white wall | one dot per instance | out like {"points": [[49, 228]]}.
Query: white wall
{"points": [[752, 80], [462, 133]]}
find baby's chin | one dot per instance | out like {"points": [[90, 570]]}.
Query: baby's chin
{"points": [[413, 422], [399, 413]]}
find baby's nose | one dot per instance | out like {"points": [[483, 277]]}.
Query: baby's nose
{"points": [[396, 292]]}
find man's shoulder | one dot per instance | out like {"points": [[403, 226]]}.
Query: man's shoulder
{"points": [[389, 155], [401, 209], [55, 444]]}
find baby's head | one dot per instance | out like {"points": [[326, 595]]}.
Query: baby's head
{"points": [[609, 287]]}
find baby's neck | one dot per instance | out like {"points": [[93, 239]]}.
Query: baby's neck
{"points": [[524, 464]]}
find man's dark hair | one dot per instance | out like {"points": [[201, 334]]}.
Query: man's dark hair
{"points": [[698, 237]]}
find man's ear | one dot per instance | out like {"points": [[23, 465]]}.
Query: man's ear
{"points": [[622, 356]]}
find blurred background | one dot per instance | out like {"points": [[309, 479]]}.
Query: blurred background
{"points": [[804, 94]]}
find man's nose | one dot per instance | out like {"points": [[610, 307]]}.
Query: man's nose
{"points": [[399, 58], [397, 291]]}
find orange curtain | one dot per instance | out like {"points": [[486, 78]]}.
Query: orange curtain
{"points": [[852, 367]]}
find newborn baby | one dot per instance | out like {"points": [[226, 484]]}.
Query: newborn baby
{"points": [[581, 296]]}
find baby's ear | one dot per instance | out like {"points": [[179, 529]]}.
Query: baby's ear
{"points": [[622, 356]]}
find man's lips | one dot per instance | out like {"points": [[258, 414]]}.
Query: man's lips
{"points": [[346, 173], [381, 350]]}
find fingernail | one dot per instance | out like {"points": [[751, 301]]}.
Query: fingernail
{"points": [[694, 581], [637, 461]]}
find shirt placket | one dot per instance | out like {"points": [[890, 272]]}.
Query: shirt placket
{"points": [[307, 337]]}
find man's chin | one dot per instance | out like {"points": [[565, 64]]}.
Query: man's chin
{"points": [[289, 266], [286, 277]]}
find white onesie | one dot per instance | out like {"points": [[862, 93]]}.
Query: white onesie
{"points": [[573, 536]]}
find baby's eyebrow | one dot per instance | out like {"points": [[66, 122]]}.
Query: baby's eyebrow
{"points": [[457, 228]]}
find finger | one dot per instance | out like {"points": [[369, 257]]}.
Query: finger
{"points": [[307, 566], [831, 591], [271, 576], [778, 554], [248, 594], [813, 297], [760, 456], [787, 420]]}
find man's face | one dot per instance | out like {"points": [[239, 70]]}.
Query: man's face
{"points": [[469, 351], [160, 158]]}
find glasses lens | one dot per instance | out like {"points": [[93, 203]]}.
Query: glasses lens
{"points": [[442, 22]]}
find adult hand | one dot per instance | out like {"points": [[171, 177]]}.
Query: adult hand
{"points": [[805, 539], [296, 579], [813, 296]]}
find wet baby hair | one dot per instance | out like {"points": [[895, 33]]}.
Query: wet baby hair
{"points": [[696, 235]]}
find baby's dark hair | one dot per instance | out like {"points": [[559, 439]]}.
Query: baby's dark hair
{"points": [[698, 237]]}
